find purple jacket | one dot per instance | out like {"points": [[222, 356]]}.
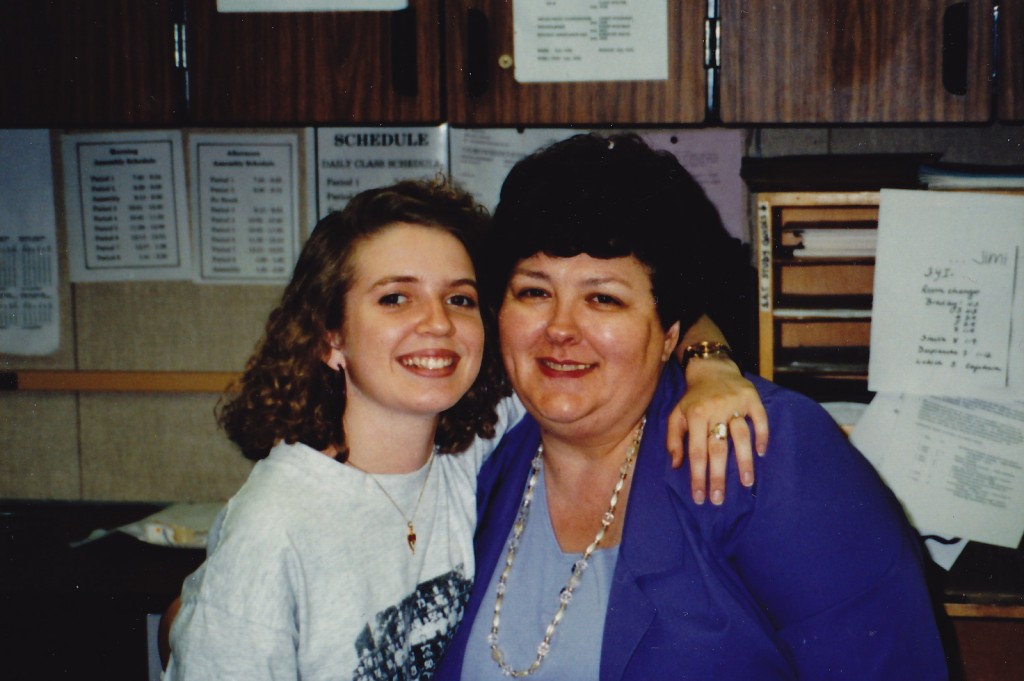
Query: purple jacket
{"points": [[814, 573]]}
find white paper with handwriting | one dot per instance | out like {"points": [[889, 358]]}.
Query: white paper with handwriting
{"points": [[948, 313]]}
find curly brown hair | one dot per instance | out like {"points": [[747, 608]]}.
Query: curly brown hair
{"points": [[287, 393]]}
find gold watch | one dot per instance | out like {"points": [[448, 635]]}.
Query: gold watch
{"points": [[705, 350]]}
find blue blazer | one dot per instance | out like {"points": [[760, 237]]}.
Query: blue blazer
{"points": [[814, 573]]}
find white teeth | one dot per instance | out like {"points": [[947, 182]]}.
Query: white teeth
{"points": [[428, 362], [566, 367]]}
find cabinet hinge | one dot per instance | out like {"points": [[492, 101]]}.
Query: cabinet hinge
{"points": [[712, 37], [180, 53], [712, 57]]}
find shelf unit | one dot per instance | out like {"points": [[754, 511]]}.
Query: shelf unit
{"points": [[814, 311]]}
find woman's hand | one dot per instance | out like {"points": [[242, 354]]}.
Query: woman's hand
{"points": [[717, 405]]}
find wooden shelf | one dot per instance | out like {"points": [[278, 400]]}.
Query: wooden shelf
{"points": [[118, 381], [978, 610]]}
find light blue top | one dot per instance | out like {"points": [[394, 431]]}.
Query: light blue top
{"points": [[540, 572]]}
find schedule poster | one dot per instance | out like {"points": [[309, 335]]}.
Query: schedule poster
{"points": [[246, 203], [350, 160], [126, 206]]}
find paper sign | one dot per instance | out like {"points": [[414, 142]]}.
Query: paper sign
{"points": [[350, 160], [949, 295], [29, 304], [309, 5], [126, 200], [482, 157], [588, 40], [246, 193], [956, 464], [713, 157]]}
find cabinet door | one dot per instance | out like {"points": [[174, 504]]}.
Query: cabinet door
{"points": [[482, 89], [87, 62], [314, 67], [1010, 96], [855, 61]]}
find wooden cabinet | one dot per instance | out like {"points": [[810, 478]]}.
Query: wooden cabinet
{"points": [[815, 279], [1010, 97], [314, 67], [125, 63], [88, 62], [482, 89], [856, 61]]}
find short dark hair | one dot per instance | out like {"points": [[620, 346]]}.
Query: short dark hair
{"points": [[610, 197], [287, 393]]}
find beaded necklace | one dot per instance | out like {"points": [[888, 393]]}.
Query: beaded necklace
{"points": [[565, 596]]}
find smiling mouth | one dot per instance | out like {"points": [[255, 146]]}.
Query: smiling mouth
{"points": [[428, 363], [564, 366]]}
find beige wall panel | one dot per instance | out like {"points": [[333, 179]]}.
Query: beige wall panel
{"points": [[169, 326], [148, 447], [39, 446]]}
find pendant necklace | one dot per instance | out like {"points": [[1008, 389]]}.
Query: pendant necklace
{"points": [[565, 596], [410, 536]]}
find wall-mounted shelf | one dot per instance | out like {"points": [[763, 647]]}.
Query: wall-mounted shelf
{"points": [[815, 278], [118, 381]]}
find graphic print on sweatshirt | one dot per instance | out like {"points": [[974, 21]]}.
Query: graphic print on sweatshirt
{"points": [[429, 615]]}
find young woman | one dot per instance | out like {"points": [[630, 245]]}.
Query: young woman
{"points": [[348, 552]]}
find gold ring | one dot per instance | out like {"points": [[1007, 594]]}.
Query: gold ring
{"points": [[719, 431], [736, 415]]}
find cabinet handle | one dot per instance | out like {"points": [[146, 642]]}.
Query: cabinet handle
{"points": [[955, 31], [478, 62], [404, 62]]}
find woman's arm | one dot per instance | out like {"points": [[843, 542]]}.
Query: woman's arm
{"points": [[716, 395]]}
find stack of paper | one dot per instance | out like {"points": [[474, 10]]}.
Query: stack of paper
{"points": [[836, 243], [946, 428], [953, 176]]}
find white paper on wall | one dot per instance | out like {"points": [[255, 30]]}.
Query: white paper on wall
{"points": [[350, 160], [309, 5], [949, 295], [29, 302], [584, 40], [955, 463], [482, 157], [126, 205], [246, 194]]}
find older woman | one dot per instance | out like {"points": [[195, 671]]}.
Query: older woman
{"points": [[591, 562]]}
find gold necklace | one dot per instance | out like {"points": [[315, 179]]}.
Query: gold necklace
{"points": [[565, 596], [410, 536]]}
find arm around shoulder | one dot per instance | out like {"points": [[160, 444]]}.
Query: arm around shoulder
{"points": [[826, 550]]}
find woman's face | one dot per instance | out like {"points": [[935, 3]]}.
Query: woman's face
{"points": [[412, 339], [582, 342]]}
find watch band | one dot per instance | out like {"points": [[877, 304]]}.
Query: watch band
{"points": [[705, 350]]}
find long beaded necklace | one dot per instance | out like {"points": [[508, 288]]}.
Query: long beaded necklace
{"points": [[565, 596], [410, 537]]}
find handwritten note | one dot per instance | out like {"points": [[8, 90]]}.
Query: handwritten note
{"points": [[948, 287]]}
